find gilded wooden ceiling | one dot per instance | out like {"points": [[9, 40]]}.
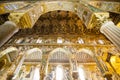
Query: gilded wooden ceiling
{"points": [[59, 22]]}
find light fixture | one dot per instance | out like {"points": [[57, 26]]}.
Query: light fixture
{"points": [[80, 41], [100, 41], [59, 72], [59, 40], [39, 40], [81, 73], [36, 74]]}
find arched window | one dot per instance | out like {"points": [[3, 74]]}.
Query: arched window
{"points": [[33, 55]]}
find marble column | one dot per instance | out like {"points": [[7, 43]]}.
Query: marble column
{"points": [[112, 32], [7, 30]]}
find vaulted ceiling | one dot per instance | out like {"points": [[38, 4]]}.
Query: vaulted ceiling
{"points": [[59, 22]]}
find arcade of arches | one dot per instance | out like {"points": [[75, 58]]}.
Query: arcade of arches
{"points": [[60, 40]]}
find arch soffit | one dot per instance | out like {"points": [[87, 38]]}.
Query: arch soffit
{"points": [[8, 50], [58, 5], [44, 7]]}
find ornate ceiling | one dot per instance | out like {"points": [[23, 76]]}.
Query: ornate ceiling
{"points": [[59, 22]]}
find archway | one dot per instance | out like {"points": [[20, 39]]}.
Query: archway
{"points": [[10, 52], [6, 57], [88, 53], [61, 56], [33, 55], [85, 56], [57, 22]]}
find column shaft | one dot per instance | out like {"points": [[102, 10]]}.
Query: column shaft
{"points": [[7, 30], [112, 32]]}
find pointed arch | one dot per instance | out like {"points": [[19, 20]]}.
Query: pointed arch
{"points": [[65, 52], [60, 49], [87, 51], [59, 54], [84, 55], [34, 54], [8, 50]]}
